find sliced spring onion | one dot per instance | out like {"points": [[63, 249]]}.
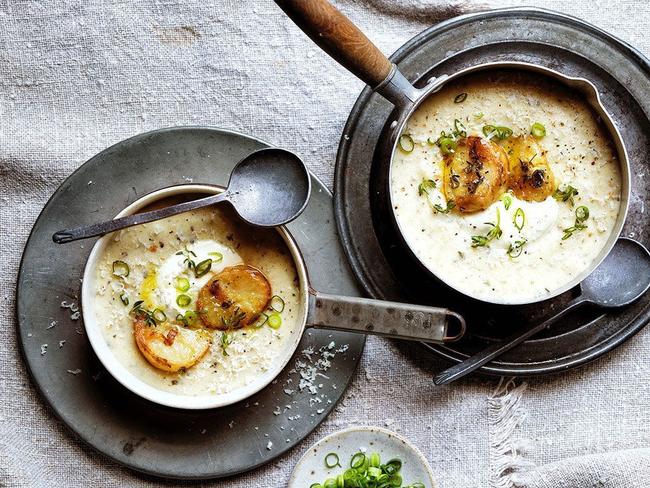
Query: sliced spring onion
{"points": [[121, 269], [274, 320], [406, 143], [425, 186], [330, 483], [447, 145], [565, 195], [582, 214], [316, 485], [515, 250], [203, 267], [357, 460], [183, 300], [332, 460], [261, 320], [460, 98], [459, 129], [124, 298], [374, 460], [498, 131], [158, 315], [393, 466], [217, 257], [519, 220], [538, 130], [182, 284], [507, 200], [277, 303]]}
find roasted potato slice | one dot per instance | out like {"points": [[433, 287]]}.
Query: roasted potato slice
{"points": [[170, 347], [234, 298], [475, 174], [529, 176]]}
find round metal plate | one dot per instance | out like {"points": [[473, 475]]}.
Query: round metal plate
{"points": [[139, 434], [385, 268]]}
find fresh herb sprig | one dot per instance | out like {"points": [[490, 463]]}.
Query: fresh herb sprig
{"points": [[582, 214], [199, 269], [226, 340], [151, 317], [494, 233]]}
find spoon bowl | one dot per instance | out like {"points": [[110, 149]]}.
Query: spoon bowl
{"points": [[621, 278], [269, 187]]}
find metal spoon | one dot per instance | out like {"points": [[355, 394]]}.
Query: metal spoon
{"points": [[623, 277], [267, 188]]}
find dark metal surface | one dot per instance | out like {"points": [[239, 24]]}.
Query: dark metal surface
{"points": [[387, 270], [139, 434]]}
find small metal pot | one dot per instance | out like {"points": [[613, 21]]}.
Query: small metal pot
{"points": [[317, 310], [337, 36]]}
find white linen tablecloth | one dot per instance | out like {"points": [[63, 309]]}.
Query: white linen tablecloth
{"points": [[76, 77]]}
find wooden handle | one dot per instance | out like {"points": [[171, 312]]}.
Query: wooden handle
{"points": [[339, 37]]}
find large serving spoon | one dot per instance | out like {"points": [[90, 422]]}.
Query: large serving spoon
{"points": [[267, 188], [623, 277]]}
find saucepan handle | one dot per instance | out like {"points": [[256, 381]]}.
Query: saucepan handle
{"points": [[389, 319], [335, 34]]}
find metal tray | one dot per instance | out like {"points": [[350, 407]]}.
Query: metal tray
{"points": [[385, 268], [135, 432]]}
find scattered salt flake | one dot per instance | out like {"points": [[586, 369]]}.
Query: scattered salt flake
{"points": [[74, 371], [269, 445], [231, 423], [43, 349], [320, 410], [61, 342], [289, 391], [75, 316], [203, 431], [52, 324], [288, 440], [389, 422], [277, 411], [331, 345]]}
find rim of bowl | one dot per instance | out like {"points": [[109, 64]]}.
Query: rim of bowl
{"points": [[599, 110], [124, 376], [366, 428]]}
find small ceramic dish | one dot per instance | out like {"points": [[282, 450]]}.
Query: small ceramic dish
{"points": [[347, 442]]}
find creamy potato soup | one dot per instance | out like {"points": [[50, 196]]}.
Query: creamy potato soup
{"points": [[199, 303], [505, 185]]}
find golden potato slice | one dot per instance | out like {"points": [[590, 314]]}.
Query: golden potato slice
{"points": [[529, 176], [170, 347], [476, 174], [234, 298]]}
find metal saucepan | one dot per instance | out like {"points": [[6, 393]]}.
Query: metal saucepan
{"points": [[317, 310], [342, 40]]}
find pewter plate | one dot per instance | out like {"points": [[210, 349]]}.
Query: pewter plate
{"points": [[387, 270], [132, 431]]}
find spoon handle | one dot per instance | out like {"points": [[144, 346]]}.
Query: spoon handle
{"points": [[102, 228], [488, 354], [388, 319]]}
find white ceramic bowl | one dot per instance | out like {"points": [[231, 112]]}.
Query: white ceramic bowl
{"points": [[145, 390], [345, 443]]}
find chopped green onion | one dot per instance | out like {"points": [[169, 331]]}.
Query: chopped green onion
{"points": [[582, 214], [316, 485], [357, 460], [507, 200], [189, 319], [479, 115], [124, 298], [374, 460], [460, 98], [566, 195], [120, 269], [538, 130], [498, 131], [183, 300], [459, 129], [515, 250], [406, 143], [393, 466], [330, 483], [277, 303], [425, 186], [158, 315], [217, 256], [519, 219], [274, 320], [332, 460], [182, 284], [447, 145], [261, 320], [203, 267]]}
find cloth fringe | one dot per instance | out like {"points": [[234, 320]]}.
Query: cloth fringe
{"points": [[505, 414]]}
